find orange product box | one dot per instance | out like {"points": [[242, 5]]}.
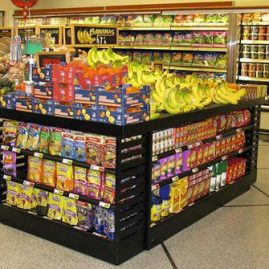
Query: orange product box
{"points": [[218, 148]]}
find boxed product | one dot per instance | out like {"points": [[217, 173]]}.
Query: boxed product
{"points": [[45, 107], [43, 74], [88, 113], [8, 101], [62, 110], [43, 90]]}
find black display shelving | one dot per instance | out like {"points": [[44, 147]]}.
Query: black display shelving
{"points": [[133, 231]]}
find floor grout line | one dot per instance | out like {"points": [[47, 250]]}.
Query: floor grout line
{"points": [[169, 256], [246, 205], [258, 189], [263, 168]]}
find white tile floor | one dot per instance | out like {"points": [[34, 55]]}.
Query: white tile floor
{"points": [[234, 237]]}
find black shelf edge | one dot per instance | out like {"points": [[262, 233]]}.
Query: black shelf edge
{"points": [[195, 170], [64, 193], [177, 222], [57, 159], [166, 121], [198, 143]]}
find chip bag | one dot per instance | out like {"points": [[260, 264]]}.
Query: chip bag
{"points": [[42, 202], [65, 180], [12, 193], [34, 199], [109, 158], [109, 188], [70, 212], [55, 206], [68, 145], [55, 147], [95, 184], [33, 138], [44, 139], [49, 173], [22, 137], [25, 197], [85, 214], [34, 169], [80, 147], [9, 163], [80, 180], [10, 133]]}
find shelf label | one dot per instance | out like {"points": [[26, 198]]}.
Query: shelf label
{"points": [[176, 178], [17, 150], [155, 187], [28, 183], [73, 196], [189, 146], [179, 150], [97, 168], [195, 170], [67, 161], [154, 158], [7, 177], [224, 158], [239, 130], [4, 147], [218, 137], [197, 144], [59, 192], [39, 155], [105, 205], [240, 151]]}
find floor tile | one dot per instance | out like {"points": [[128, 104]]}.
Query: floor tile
{"points": [[229, 238], [263, 157], [263, 180], [25, 251]]}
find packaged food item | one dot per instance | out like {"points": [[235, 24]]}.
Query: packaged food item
{"points": [[34, 199], [109, 188], [219, 38], [95, 184], [109, 157], [211, 18], [178, 19], [69, 211], [94, 149], [221, 61], [9, 163], [187, 38], [148, 20], [55, 141], [22, 135], [138, 56], [176, 59], [109, 227], [42, 202], [167, 39], [44, 139], [223, 18], [55, 206], [157, 57], [158, 39], [199, 18], [80, 147], [85, 214], [33, 138], [65, 180], [99, 220], [12, 193], [10, 132], [80, 180], [147, 57], [175, 198], [34, 169], [156, 209], [187, 59], [171, 166], [167, 56], [163, 20], [178, 163], [208, 38], [139, 39], [68, 145], [149, 39], [49, 173], [198, 59], [25, 197], [197, 37], [177, 38]]}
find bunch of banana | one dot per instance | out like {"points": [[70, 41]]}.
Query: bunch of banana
{"points": [[84, 37]]}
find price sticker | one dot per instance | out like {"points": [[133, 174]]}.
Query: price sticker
{"points": [[218, 137], [67, 161], [4, 147], [178, 150], [7, 177], [240, 151], [39, 155], [28, 183], [105, 205], [176, 178], [17, 150], [224, 158], [195, 170], [59, 192], [154, 158], [239, 130], [197, 144], [73, 196], [155, 187], [189, 146], [97, 168]]}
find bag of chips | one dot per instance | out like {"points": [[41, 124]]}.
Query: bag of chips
{"points": [[34, 169], [49, 173], [12, 193], [55, 147], [9, 163], [95, 183], [55, 206], [85, 214], [80, 147], [10, 133], [42, 202], [68, 145], [25, 197], [33, 137], [44, 139], [80, 180], [65, 180], [70, 212], [22, 135]]}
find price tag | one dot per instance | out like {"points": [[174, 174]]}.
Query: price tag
{"points": [[7, 177], [195, 170], [27, 183], [197, 144], [4, 147], [189, 146], [67, 161], [73, 196], [224, 158], [218, 137], [176, 178], [39, 155], [239, 130], [97, 168], [17, 150], [58, 192], [155, 187], [105, 205], [154, 158], [240, 151], [178, 150]]}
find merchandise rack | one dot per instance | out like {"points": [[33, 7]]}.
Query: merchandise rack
{"points": [[133, 231]]}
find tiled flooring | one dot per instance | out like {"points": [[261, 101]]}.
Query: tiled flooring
{"points": [[234, 237]]}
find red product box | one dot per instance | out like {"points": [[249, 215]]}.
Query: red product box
{"points": [[218, 148], [193, 157], [63, 92], [212, 151], [200, 159], [223, 146], [206, 152]]}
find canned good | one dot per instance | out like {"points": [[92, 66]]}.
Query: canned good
{"points": [[266, 74], [254, 55], [254, 36], [246, 54], [261, 49], [261, 55], [267, 49], [262, 36], [262, 29], [245, 66], [246, 48], [252, 74], [259, 74], [254, 48], [266, 67], [244, 73], [252, 67], [259, 67], [246, 30], [254, 29]]}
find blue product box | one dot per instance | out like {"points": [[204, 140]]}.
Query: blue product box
{"points": [[120, 97], [24, 104], [43, 107], [66, 111], [8, 101], [88, 113], [43, 74], [121, 116], [87, 97], [43, 90]]}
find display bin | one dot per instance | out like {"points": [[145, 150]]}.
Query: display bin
{"points": [[133, 230]]}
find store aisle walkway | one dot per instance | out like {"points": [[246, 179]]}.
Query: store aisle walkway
{"points": [[233, 237]]}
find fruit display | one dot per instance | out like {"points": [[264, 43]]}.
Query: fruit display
{"points": [[84, 37], [6, 86]]}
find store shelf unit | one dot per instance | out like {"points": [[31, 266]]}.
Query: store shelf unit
{"points": [[132, 206]]}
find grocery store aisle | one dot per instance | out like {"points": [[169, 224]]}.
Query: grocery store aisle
{"points": [[235, 236]]}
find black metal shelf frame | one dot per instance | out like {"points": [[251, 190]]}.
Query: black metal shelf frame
{"points": [[132, 205]]}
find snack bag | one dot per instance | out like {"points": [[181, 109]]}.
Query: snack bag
{"points": [[49, 173], [80, 180], [10, 133], [109, 160], [25, 197], [85, 214], [80, 147], [34, 198], [33, 138], [55, 142], [34, 169], [109, 188], [9, 163], [70, 212], [22, 135], [12, 193], [55, 206], [68, 145], [44, 139], [42, 202], [95, 182], [99, 219], [94, 149], [109, 227], [64, 177]]}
